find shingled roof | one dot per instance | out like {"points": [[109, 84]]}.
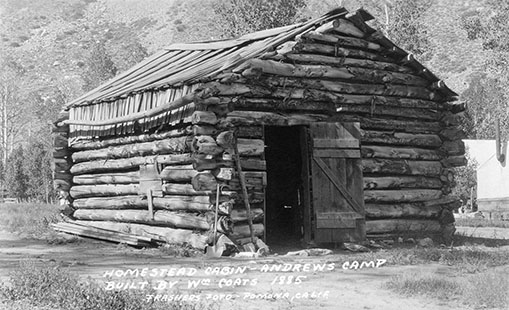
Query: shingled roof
{"points": [[191, 63]]}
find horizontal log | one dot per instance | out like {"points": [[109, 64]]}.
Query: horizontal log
{"points": [[167, 146], [206, 130], [102, 190], [242, 231], [424, 209], [103, 143], [345, 41], [60, 140], [355, 74], [402, 225], [406, 91], [452, 133], [388, 124], [341, 25], [276, 105], [204, 181], [197, 239], [453, 148], [454, 161], [336, 51], [202, 163], [401, 195], [381, 111], [180, 173], [397, 182], [346, 61], [242, 118], [241, 215], [181, 189], [98, 166], [203, 117], [171, 203], [160, 217], [107, 178], [400, 138], [392, 152], [404, 167]]}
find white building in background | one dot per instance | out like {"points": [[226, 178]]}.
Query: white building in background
{"points": [[492, 179]]}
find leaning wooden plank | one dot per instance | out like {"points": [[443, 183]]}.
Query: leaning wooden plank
{"points": [[197, 239], [93, 234], [166, 146], [401, 225], [86, 229], [143, 238], [98, 166]]}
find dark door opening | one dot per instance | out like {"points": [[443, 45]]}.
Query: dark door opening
{"points": [[284, 204]]}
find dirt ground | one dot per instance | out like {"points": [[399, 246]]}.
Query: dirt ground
{"points": [[250, 283]]}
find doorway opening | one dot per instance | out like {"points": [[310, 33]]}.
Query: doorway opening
{"points": [[285, 206]]}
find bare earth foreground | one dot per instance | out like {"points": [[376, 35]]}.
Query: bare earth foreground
{"points": [[262, 283]]}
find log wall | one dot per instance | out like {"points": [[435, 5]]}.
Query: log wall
{"points": [[410, 141]]}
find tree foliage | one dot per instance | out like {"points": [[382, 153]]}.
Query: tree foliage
{"points": [[238, 17]]}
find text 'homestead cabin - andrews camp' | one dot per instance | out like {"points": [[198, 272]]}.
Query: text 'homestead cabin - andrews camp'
{"points": [[340, 135]]}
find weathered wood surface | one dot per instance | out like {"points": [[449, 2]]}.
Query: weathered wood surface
{"points": [[401, 138], [341, 25], [239, 215], [401, 225], [331, 50], [393, 152], [342, 73], [243, 118], [270, 81], [195, 238], [204, 181], [160, 217], [453, 148], [202, 163], [336, 39], [424, 209], [98, 166], [81, 145], [454, 161], [390, 124], [83, 191], [178, 173], [203, 117], [242, 231], [167, 146], [401, 195], [397, 182], [171, 203], [403, 167], [107, 178], [346, 61], [182, 189]]}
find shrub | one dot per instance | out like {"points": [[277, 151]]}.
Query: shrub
{"points": [[425, 284]]}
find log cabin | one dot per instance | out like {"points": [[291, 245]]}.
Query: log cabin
{"points": [[323, 131]]}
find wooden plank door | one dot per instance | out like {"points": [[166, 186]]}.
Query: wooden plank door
{"points": [[337, 186]]}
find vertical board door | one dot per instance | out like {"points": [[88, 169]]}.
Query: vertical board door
{"points": [[337, 185]]}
